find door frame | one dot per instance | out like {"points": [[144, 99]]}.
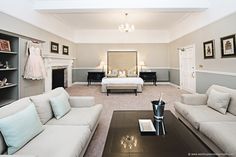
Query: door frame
{"points": [[194, 72]]}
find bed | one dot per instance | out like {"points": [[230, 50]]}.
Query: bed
{"points": [[122, 82]]}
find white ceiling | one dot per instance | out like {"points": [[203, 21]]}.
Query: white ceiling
{"points": [[111, 20], [108, 14]]}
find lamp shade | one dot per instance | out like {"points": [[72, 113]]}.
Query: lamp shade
{"points": [[102, 63]]}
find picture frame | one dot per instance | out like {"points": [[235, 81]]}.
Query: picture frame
{"points": [[228, 48], [54, 47], [209, 49], [65, 50], [5, 45]]}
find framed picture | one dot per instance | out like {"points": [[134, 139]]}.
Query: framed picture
{"points": [[209, 49], [5, 45], [65, 50], [228, 46], [54, 47]]}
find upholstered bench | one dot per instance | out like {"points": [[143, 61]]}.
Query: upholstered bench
{"points": [[121, 87]]}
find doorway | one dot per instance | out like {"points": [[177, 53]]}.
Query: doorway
{"points": [[187, 68]]}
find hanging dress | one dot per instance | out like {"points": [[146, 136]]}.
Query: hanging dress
{"points": [[34, 67]]}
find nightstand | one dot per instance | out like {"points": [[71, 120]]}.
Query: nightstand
{"points": [[149, 77]]}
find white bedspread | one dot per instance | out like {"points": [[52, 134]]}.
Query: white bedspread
{"points": [[123, 80]]}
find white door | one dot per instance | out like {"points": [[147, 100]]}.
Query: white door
{"points": [[187, 69]]}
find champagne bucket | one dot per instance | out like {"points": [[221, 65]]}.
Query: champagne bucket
{"points": [[158, 109], [160, 127]]}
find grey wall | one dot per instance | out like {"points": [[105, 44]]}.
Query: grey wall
{"points": [[214, 31], [90, 55], [27, 87], [174, 76], [26, 31], [80, 75], [205, 80]]}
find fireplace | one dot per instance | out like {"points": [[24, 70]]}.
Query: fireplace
{"points": [[59, 72], [59, 77]]}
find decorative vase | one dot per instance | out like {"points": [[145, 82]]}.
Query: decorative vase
{"points": [[158, 109]]}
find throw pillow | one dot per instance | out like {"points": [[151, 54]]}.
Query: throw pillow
{"points": [[20, 128], [218, 101], [43, 105], [60, 105]]}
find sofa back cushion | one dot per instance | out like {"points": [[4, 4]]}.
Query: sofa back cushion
{"points": [[43, 106], [10, 110], [232, 92]]}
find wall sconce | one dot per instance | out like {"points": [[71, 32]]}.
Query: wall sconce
{"points": [[141, 65], [180, 49]]}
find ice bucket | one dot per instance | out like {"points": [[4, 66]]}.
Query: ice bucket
{"points": [[158, 109]]}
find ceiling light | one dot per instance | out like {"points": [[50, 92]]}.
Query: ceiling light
{"points": [[126, 27]]}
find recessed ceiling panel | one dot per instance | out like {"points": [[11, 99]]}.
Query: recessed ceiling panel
{"points": [[111, 20]]}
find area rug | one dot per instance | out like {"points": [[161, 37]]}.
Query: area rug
{"points": [[122, 101]]}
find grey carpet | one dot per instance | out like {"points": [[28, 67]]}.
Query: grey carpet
{"points": [[123, 101]]}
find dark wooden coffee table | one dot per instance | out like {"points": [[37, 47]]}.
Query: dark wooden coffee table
{"points": [[179, 141]]}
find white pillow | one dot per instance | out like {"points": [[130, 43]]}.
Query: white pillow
{"points": [[218, 101], [122, 74], [114, 72]]}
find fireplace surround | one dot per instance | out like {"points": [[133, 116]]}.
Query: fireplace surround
{"points": [[55, 62]]}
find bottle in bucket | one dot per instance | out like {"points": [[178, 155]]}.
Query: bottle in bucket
{"points": [[158, 108]]}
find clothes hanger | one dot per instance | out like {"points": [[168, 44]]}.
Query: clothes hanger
{"points": [[35, 41]]}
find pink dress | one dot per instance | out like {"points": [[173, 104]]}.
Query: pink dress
{"points": [[34, 67]]}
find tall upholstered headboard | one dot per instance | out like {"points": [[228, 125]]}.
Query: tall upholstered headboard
{"points": [[122, 60]]}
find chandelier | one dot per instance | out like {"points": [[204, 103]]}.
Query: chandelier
{"points": [[126, 27]]}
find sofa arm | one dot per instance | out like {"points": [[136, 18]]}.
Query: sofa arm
{"points": [[194, 99], [81, 101]]}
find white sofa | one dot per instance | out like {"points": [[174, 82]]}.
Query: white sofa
{"points": [[66, 137], [215, 129]]}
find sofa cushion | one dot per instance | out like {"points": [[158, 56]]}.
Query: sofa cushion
{"points": [[60, 105], [232, 92], [219, 101], [58, 141], [196, 114], [43, 105], [222, 134], [80, 116], [19, 128], [9, 110]]}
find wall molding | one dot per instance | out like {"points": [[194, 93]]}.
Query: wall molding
{"points": [[174, 68], [82, 68], [156, 68], [216, 72], [97, 68], [98, 83]]}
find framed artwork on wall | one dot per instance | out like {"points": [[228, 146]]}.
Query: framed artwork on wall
{"points": [[54, 47], [5, 45], [228, 46], [65, 50], [209, 49]]}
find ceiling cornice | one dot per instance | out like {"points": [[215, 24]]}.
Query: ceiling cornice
{"points": [[72, 6]]}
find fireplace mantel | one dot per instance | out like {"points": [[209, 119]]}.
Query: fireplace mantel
{"points": [[45, 56], [57, 61]]}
